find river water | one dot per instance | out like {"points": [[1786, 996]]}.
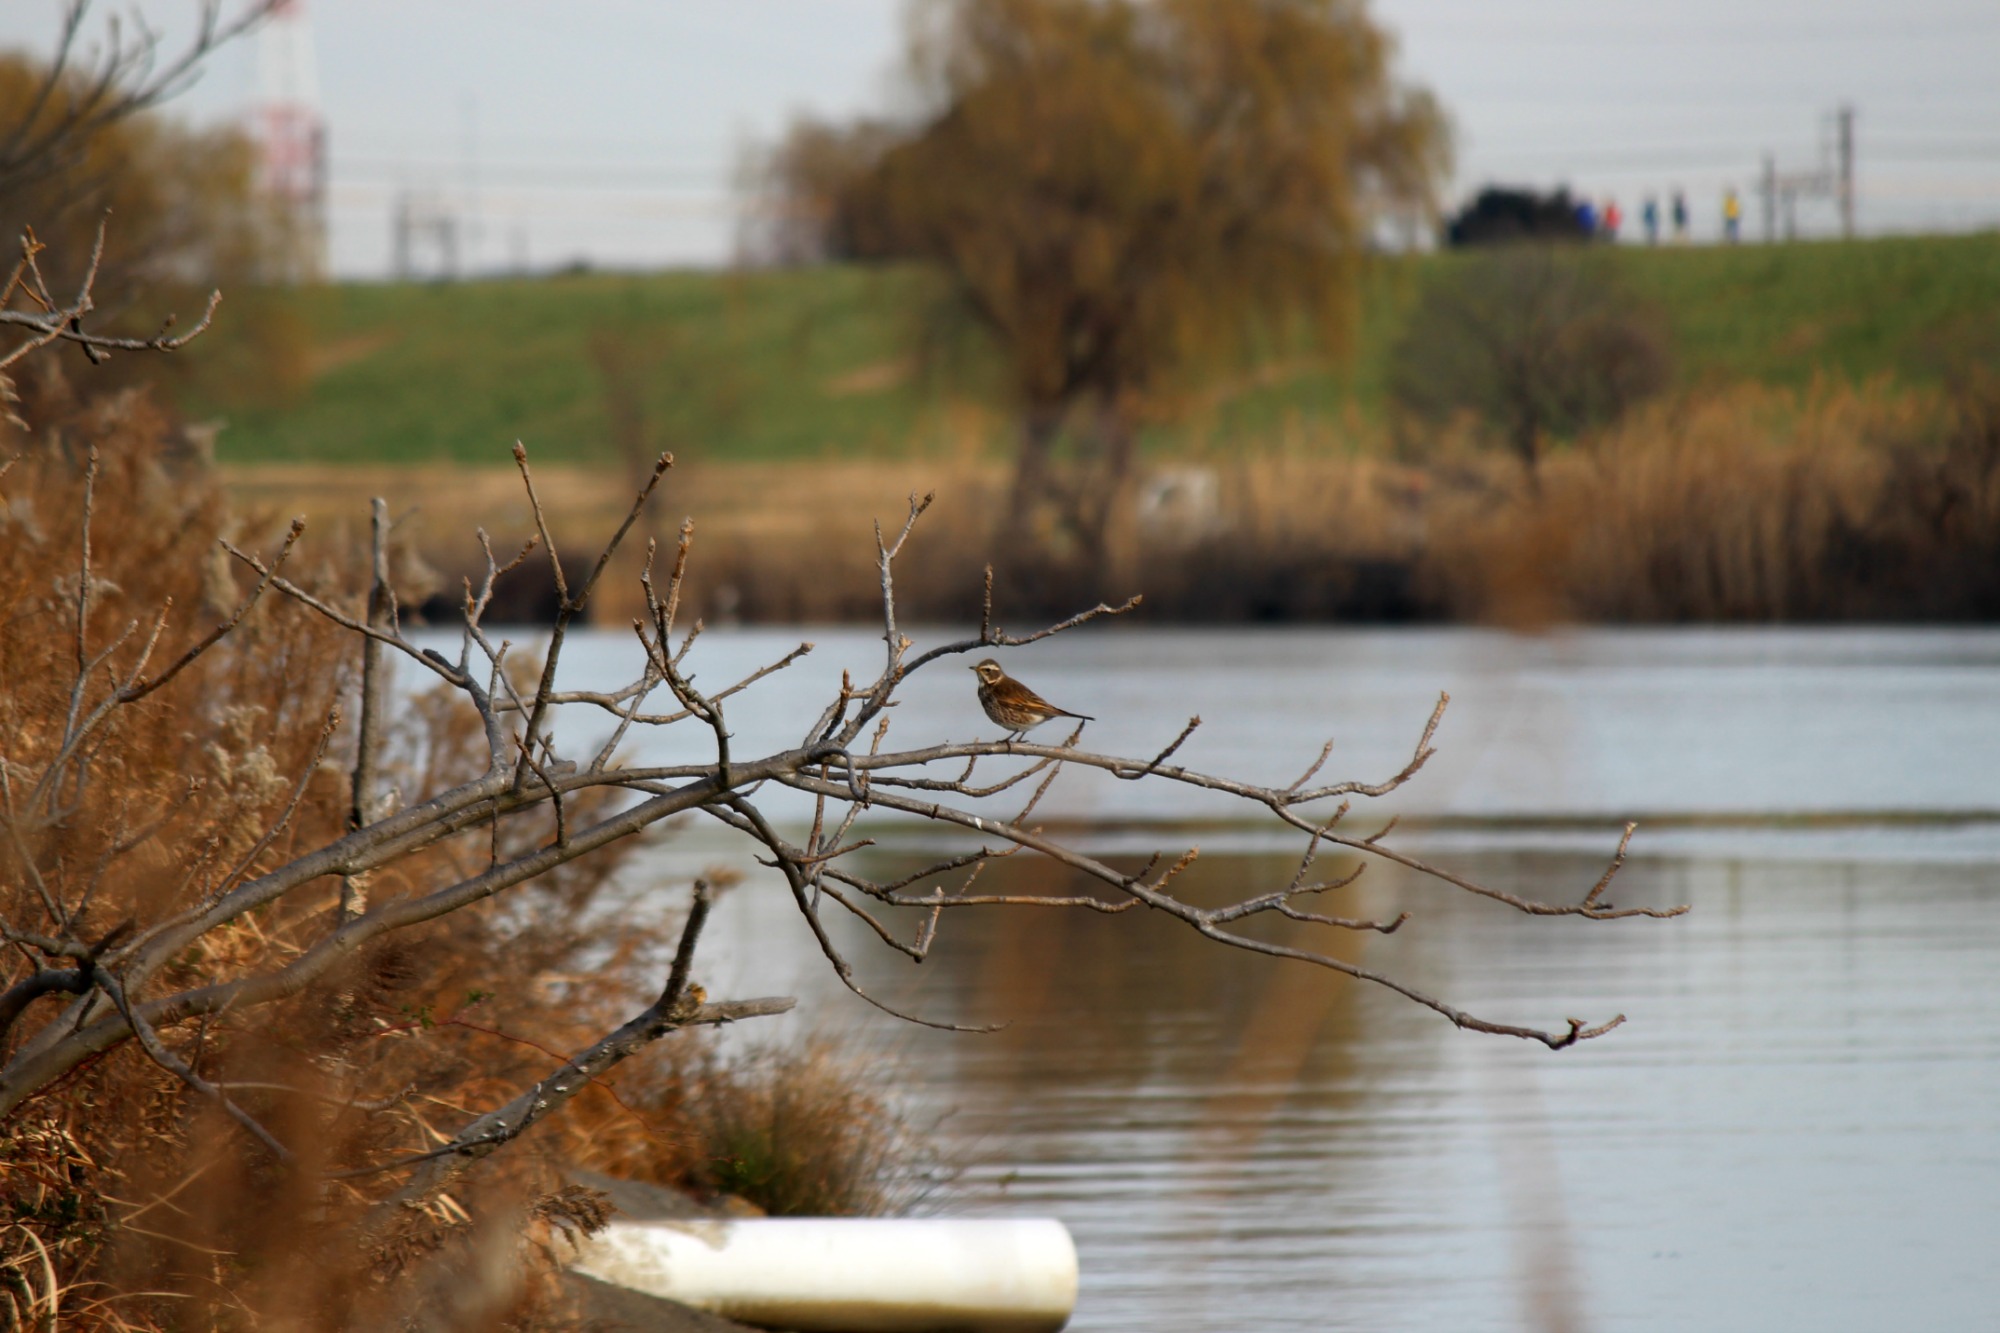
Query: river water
{"points": [[1798, 1126]]}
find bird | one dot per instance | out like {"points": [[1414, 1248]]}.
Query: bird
{"points": [[1013, 705]]}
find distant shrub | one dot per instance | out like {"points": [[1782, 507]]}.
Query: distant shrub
{"points": [[1534, 343]]}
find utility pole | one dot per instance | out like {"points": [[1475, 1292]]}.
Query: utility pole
{"points": [[469, 222], [401, 261], [1767, 189], [424, 237], [1844, 182], [1832, 179]]}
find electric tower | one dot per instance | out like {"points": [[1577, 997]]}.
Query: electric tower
{"points": [[291, 132]]}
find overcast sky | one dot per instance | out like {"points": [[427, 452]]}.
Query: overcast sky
{"points": [[609, 130]]}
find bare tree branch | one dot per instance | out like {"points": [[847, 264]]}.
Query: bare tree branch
{"points": [[62, 321], [531, 781]]}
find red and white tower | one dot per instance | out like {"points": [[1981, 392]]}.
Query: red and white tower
{"points": [[291, 132]]}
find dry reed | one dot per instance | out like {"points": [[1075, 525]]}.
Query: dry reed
{"points": [[793, 1132], [128, 1200], [1837, 502]]}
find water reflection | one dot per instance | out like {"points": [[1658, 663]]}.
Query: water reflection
{"points": [[1800, 1125]]}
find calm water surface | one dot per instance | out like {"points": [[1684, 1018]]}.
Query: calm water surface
{"points": [[1799, 1127]]}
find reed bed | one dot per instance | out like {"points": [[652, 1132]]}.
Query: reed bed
{"points": [[1835, 502]]}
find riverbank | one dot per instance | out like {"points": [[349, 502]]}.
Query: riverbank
{"points": [[1831, 504]]}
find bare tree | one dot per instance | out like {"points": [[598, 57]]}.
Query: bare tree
{"points": [[30, 304], [1537, 341]]}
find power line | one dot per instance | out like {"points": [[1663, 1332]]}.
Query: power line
{"points": [[527, 174]]}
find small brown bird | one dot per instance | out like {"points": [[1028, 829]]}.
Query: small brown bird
{"points": [[1013, 705]]}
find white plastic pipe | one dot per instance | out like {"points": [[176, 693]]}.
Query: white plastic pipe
{"points": [[853, 1275]]}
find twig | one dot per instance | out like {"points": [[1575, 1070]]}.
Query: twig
{"points": [[173, 1064]]}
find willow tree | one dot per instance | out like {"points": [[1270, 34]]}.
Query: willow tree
{"points": [[1124, 197]]}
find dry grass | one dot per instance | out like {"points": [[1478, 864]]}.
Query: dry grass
{"points": [[1742, 504], [1834, 504], [784, 541], [794, 1132], [127, 1200]]}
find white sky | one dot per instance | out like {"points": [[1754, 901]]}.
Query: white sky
{"points": [[609, 130]]}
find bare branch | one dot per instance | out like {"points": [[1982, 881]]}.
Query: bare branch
{"points": [[1610, 871], [747, 816], [1153, 765], [499, 1127], [157, 1052], [142, 686], [55, 322], [528, 778], [1325, 751], [83, 564], [124, 79]]}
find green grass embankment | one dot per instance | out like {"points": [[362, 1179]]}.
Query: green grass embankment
{"points": [[768, 365], [815, 363]]}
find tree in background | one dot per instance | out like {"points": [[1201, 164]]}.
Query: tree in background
{"points": [[86, 144], [1122, 197], [1532, 342]]}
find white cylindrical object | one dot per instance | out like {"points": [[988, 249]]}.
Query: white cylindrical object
{"points": [[856, 1275]]}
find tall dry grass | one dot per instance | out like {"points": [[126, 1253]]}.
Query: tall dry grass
{"points": [[128, 1200], [802, 1131], [1834, 503]]}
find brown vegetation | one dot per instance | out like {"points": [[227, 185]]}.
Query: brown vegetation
{"points": [[127, 1199], [1750, 504], [1835, 504], [117, 1183], [792, 1132]]}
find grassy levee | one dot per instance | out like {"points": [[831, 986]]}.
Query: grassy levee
{"points": [[770, 365], [1784, 315], [595, 368]]}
